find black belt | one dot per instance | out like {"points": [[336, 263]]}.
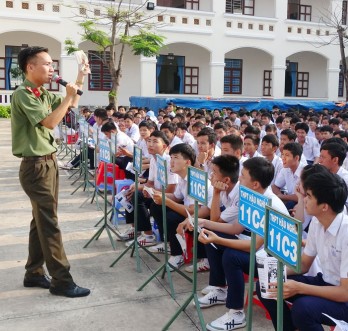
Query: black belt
{"points": [[39, 158]]}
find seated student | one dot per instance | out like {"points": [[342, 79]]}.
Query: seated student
{"points": [[184, 135], [332, 155], [157, 143], [327, 293], [224, 205], [269, 147], [289, 136], [207, 149], [220, 130], [271, 129], [132, 130], [181, 157], [313, 123], [169, 130], [124, 144], [326, 132], [311, 147], [251, 145], [289, 176], [196, 127], [231, 260]]}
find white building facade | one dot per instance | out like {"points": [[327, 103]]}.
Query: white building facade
{"points": [[213, 48]]}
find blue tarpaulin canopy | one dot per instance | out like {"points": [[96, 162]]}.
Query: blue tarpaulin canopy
{"points": [[156, 103]]}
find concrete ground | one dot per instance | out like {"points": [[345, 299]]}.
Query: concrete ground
{"points": [[114, 302]]}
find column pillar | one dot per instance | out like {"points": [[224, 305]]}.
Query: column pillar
{"points": [[278, 80], [217, 79], [148, 79], [333, 70], [281, 9]]}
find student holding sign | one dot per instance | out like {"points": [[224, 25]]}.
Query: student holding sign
{"points": [[326, 194], [231, 260]]}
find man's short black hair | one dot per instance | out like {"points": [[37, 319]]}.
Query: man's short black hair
{"points": [[295, 149], [209, 132], [335, 149], [326, 128], [108, 126], [161, 135], [236, 142], [185, 150], [302, 126], [260, 170], [101, 113], [271, 139], [328, 188], [289, 133], [169, 125], [27, 54], [228, 166]]}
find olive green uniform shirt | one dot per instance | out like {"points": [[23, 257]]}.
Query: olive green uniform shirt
{"points": [[29, 106]]}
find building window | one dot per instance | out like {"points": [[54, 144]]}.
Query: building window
{"points": [[340, 83], [245, 7], [25, 5], [99, 79], [302, 84], [267, 83], [10, 74], [233, 76], [40, 6], [344, 12], [9, 4], [191, 80], [170, 74], [56, 8], [184, 4], [305, 13]]}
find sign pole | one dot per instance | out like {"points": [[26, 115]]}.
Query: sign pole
{"points": [[165, 267], [198, 190], [137, 166], [280, 277], [251, 281]]}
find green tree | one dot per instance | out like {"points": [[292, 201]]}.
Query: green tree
{"points": [[119, 25]]}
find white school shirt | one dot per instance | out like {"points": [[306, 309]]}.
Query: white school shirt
{"points": [[141, 143], [171, 178], [188, 138], [230, 202], [133, 132], [241, 161], [181, 191], [124, 141], [331, 246], [311, 148], [288, 179], [278, 166], [176, 140]]}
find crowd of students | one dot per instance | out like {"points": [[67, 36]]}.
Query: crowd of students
{"points": [[296, 158]]}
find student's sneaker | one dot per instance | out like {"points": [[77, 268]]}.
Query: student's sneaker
{"points": [[159, 248], [144, 240], [126, 235], [229, 321], [215, 297], [208, 288], [176, 261], [67, 166], [202, 265]]}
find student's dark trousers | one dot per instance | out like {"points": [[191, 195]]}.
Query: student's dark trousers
{"points": [[229, 265], [306, 311], [40, 181], [173, 220]]}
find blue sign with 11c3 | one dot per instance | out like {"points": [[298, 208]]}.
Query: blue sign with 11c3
{"points": [[104, 151], [252, 210], [284, 238]]}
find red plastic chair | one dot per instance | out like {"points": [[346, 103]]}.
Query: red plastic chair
{"points": [[72, 138], [119, 174]]}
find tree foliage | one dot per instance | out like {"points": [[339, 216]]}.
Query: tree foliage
{"points": [[120, 25]]}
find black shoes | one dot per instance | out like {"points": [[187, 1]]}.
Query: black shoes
{"points": [[37, 281], [70, 291]]}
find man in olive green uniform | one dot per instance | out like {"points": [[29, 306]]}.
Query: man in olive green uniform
{"points": [[35, 112]]}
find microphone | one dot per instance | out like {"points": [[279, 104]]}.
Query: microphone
{"points": [[61, 81]]}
